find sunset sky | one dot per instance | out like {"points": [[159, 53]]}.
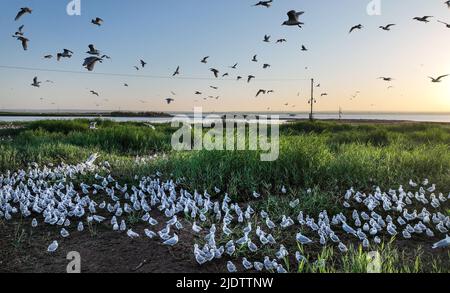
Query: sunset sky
{"points": [[171, 33]]}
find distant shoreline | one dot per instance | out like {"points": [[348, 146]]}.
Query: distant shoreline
{"points": [[88, 114]]}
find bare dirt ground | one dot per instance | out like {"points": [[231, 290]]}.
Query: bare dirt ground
{"points": [[102, 251], [24, 250]]}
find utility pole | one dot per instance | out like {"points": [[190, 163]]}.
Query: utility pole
{"points": [[312, 101]]}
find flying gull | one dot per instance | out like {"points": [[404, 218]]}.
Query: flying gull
{"points": [[294, 18], [93, 51], [387, 27], [261, 92], [97, 21], [439, 79], [89, 63], [215, 72], [177, 72], [266, 4], [36, 83], [22, 12], [423, 18], [19, 31], [359, 27], [65, 54], [24, 42]]}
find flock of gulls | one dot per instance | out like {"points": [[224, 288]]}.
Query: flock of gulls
{"points": [[224, 229], [95, 56]]}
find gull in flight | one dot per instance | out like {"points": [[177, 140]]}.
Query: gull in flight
{"points": [[265, 66], [356, 27], [65, 54], [143, 63], [250, 77], [170, 101], [387, 27], [215, 72], [266, 4], [89, 63], [234, 66], [423, 18], [281, 41], [48, 56], [22, 12], [388, 79], [439, 79], [19, 31], [304, 48], [266, 39], [97, 21], [24, 42], [448, 3], [93, 51], [446, 24], [36, 83], [255, 58], [294, 18], [94, 93], [205, 60], [177, 71], [261, 92]]}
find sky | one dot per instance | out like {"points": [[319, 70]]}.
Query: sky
{"points": [[171, 33]]}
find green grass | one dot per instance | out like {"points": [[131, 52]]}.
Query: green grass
{"points": [[328, 157]]}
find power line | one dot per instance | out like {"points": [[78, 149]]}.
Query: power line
{"points": [[138, 75]]}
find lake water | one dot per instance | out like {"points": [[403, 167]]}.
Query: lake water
{"points": [[283, 117]]}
